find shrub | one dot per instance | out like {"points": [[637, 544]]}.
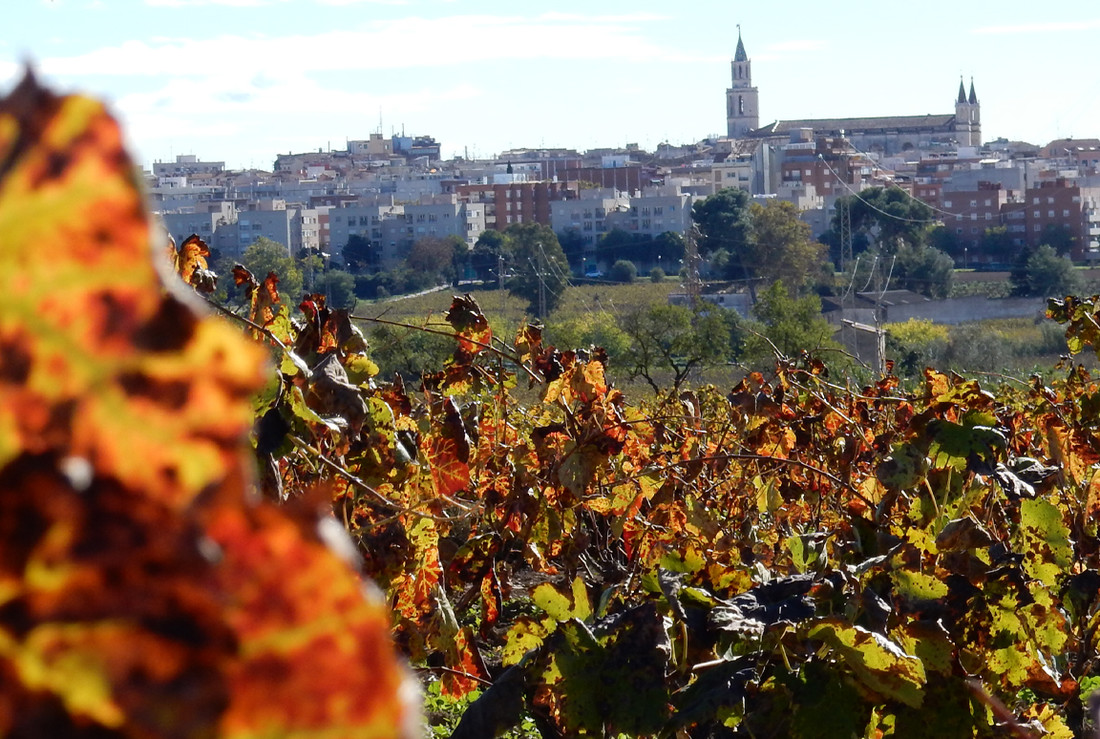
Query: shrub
{"points": [[657, 275], [623, 271], [916, 344]]}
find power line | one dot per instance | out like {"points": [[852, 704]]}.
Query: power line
{"points": [[962, 216], [874, 207]]}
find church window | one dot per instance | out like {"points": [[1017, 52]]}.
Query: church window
{"points": [[740, 105]]}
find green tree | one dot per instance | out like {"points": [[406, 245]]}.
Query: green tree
{"points": [[946, 240], [668, 249], [486, 255], [1040, 272], [887, 216], [434, 256], [916, 344], [670, 341], [791, 324], [573, 243], [359, 254], [725, 226], [408, 352], [1058, 237], [265, 255], [924, 269], [996, 243], [618, 244], [590, 329], [538, 266], [623, 271], [782, 246], [339, 286]]}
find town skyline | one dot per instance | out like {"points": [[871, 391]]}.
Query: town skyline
{"points": [[245, 80]]}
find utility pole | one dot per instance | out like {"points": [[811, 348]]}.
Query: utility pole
{"points": [[500, 282], [691, 259], [542, 286], [845, 218]]}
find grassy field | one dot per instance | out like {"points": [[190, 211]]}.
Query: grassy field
{"points": [[505, 311], [1015, 347]]}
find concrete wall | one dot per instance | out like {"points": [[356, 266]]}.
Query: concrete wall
{"points": [[961, 310]]}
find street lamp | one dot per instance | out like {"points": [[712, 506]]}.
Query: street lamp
{"points": [[325, 256]]}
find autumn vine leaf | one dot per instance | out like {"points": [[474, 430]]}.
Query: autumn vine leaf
{"points": [[143, 591], [189, 261]]}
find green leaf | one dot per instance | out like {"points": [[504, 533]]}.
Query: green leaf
{"points": [[526, 634], [291, 365], [690, 561], [768, 499], [807, 550], [1044, 541], [953, 445], [360, 368], [905, 468], [561, 607], [918, 586], [877, 662]]}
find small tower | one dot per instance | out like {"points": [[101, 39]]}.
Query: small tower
{"points": [[742, 99], [968, 116]]}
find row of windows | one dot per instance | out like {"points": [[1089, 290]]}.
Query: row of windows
{"points": [[1050, 199], [973, 203]]}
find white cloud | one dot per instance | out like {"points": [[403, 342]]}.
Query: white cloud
{"points": [[213, 107], [401, 44], [1038, 28]]}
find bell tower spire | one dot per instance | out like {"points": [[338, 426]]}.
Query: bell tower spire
{"points": [[742, 99], [968, 116]]}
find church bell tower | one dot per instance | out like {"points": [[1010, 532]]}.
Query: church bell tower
{"points": [[742, 99], [968, 116]]}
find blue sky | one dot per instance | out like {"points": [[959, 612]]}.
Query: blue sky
{"points": [[242, 80]]}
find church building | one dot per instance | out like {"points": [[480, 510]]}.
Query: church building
{"points": [[887, 135]]}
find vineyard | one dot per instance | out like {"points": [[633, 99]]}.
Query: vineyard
{"points": [[788, 557]]}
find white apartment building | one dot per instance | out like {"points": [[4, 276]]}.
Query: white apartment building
{"points": [[393, 228], [588, 214], [656, 210]]}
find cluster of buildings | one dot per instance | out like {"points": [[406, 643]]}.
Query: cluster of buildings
{"points": [[395, 190]]}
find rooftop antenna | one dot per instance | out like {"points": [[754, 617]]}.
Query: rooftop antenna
{"points": [[379, 120]]}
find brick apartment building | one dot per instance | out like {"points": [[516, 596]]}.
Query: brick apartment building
{"points": [[516, 202]]}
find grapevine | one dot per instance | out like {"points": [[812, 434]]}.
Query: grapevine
{"points": [[788, 557]]}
